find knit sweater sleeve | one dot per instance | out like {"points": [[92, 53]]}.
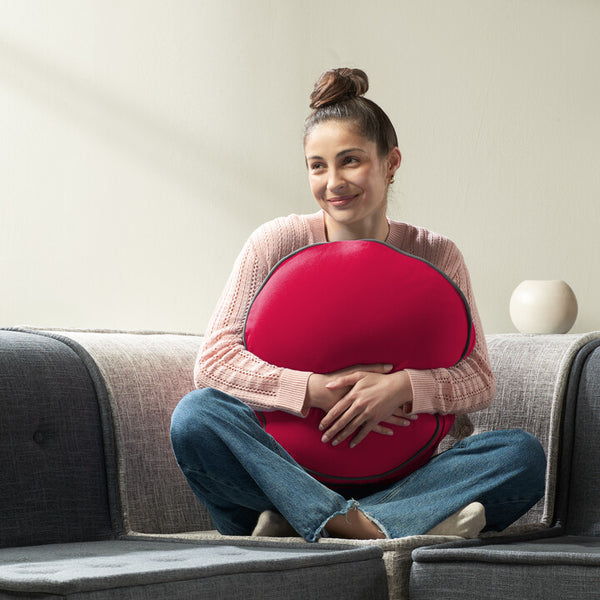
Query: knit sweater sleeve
{"points": [[468, 386], [223, 361]]}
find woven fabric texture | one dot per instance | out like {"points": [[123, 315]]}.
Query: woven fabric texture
{"points": [[532, 374], [530, 550], [549, 568], [158, 569], [584, 482], [53, 483], [146, 375], [481, 581], [396, 553]]}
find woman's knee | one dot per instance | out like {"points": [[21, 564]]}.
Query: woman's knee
{"points": [[201, 414], [530, 453], [188, 417], [515, 450], [524, 456]]}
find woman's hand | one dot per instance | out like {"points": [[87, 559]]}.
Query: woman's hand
{"points": [[365, 400], [319, 393]]}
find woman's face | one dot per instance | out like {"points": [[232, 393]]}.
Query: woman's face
{"points": [[349, 180]]}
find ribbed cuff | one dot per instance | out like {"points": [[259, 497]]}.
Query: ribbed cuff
{"points": [[423, 388], [292, 391]]}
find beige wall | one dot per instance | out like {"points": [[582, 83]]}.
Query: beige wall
{"points": [[142, 141]]}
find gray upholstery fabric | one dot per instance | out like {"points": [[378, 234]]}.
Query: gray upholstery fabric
{"points": [[584, 482], [53, 483], [556, 550], [550, 565], [158, 569], [494, 581], [396, 553], [146, 375], [139, 378], [532, 373], [550, 568]]}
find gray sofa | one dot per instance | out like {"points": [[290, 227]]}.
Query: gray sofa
{"points": [[92, 503]]}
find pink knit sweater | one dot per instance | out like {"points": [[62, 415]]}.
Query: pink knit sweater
{"points": [[225, 364]]}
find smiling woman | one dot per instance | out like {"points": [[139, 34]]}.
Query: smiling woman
{"points": [[352, 154], [241, 473]]}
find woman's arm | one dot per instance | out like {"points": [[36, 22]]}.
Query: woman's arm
{"points": [[223, 361]]}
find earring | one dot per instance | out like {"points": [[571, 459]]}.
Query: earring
{"points": [[392, 179]]}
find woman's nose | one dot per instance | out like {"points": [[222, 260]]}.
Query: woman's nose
{"points": [[335, 181]]}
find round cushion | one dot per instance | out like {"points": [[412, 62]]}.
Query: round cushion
{"points": [[333, 305]]}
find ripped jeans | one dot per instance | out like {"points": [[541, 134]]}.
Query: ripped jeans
{"points": [[238, 470]]}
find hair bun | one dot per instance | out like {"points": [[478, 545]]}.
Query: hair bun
{"points": [[337, 85]]}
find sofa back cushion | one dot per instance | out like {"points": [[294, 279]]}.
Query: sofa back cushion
{"points": [[146, 374], [580, 477], [53, 476]]}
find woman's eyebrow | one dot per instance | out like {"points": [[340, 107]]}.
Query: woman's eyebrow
{"points": [[339, 154]]}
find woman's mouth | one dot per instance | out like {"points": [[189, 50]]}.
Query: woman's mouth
{"points": [[340, 201]]}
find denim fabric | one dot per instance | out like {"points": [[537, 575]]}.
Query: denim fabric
{"points": [[238, 470]]}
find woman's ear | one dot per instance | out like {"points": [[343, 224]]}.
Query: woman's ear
{"points": [[394, 160]]}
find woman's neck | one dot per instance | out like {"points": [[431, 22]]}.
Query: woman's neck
{"points": [[335, 231]]}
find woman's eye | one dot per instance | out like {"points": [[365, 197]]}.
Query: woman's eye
{"points": [[316, 166], [348, 160]]}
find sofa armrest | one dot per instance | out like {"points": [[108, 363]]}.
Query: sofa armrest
{"points": [[145, 376], [532, 373]]}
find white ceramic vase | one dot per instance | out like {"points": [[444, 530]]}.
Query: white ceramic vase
{"points": [[543, 306]]}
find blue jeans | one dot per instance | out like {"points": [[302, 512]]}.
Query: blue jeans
{"points": [[238, 470]]}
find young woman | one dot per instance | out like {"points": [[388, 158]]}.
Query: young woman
{"points": [[248, 482]]}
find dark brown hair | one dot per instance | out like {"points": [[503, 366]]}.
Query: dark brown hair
{"points": [[339, 96]]}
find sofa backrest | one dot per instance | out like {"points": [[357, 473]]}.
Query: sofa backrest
{"points": [[532, 374], [57, 388], [146, 374], [580, 477], [52, 468]]}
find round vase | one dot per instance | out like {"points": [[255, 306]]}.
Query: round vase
{"points": [[543, 306]]}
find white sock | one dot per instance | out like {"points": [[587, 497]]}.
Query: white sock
{"points": [[466, 522], [272, 524]]}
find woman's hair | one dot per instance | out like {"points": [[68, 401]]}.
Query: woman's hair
{"points": [[338, 96]]}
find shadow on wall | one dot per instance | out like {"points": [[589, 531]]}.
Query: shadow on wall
{"points": [[155, 141]]}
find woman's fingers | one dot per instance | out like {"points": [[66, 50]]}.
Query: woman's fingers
{"points": [[335, 420], [372, 400], [350, 376], [346, 425], [343, 429]]}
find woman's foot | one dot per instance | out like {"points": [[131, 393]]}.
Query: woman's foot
{"points": [[354, 525], [272, 524], [468, 522]]}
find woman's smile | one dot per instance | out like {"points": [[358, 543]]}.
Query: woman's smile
{"points": [[342, 201]]}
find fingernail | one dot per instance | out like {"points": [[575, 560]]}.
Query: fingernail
{"points": [[334, 443], [325, 439], [352, 444]]}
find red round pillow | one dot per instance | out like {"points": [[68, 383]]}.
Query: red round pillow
{"points": [[338, 304]]}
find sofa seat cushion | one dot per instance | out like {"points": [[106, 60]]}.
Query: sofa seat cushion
{"points": [[554, 567], [396, 552], [146, 569]]}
